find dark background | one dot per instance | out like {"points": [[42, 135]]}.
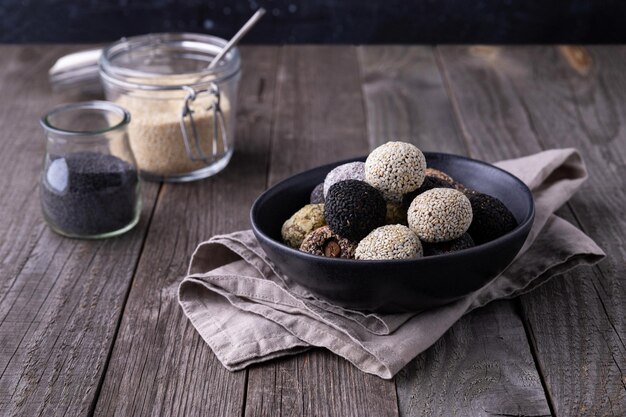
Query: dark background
{"points": [[323, 21]]}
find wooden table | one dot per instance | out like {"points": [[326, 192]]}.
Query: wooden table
{"points": [[94, 327]]}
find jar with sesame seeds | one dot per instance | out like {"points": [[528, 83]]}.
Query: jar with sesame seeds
{"points": [[183, 113]]}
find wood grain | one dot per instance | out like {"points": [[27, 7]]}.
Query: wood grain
{"points": [[541, 98], [405, 99], [60, 299], [319, 119], [160, 365], [483, 364]]}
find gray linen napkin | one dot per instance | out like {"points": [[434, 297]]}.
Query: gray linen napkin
{"points": [[248, 312]]}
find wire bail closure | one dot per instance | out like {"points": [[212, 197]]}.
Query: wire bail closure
{"points": [[194, 150]]}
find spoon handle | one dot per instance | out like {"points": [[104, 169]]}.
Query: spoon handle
{"points": [[233, 41]]}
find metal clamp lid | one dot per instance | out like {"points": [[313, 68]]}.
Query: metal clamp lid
{"points": [[219, 125]]}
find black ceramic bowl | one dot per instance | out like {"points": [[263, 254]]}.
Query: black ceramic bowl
{"points": [[395, 286]]}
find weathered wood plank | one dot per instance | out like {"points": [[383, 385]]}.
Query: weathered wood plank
{"points": [[160, 365], [546, 97], [60, 299], [405, 99], [483, 365], [319, 119]]}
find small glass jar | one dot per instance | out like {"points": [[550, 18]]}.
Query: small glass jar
{"points": [[183, 113], [89, 186]]}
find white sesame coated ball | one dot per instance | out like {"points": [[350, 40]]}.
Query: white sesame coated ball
{"points": [[439, 215], [389, 242], [395, 168]]}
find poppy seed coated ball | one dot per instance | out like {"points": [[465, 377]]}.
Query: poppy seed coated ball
{"points": [[317, 195], [389, 242], [440, 248], [349, 171], [395, 168], [428, 184], [439, 215], [492, 218], [354, 208]]}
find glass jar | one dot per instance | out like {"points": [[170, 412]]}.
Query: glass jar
{"points": [[89, 186], [183, 113]]}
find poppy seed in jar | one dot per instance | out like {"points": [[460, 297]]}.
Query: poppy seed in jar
{"points": [[349, 171], [317, 195], [439, 215], [395, 168], [324, 242], [389, 242], [492, 218], [354, 208]]}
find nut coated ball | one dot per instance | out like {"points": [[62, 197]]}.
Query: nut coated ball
{"points": [[395, 168], [439, 215], [323, 242], [432, 172], [301, 223]]}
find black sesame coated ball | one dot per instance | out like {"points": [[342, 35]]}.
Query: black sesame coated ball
{"points": [[428, 184], [354, 208], [439, 248], [317, 195], [491, 218]]}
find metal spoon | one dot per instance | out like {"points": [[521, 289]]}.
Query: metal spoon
{"points": [[235, 39]]}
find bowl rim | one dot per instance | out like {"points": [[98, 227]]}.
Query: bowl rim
{"points": [[519, 229]]}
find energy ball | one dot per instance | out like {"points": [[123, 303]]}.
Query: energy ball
{"points": [[303, 222], [349, 171], [464, 242], [396, 214], [462, 188], [317, 195], [389, 242], [354, 208], [324, 242], [491, 218], [395, 168], [428, 184], [439, 215], [432, 172]]}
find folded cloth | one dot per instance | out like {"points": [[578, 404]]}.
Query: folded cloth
{"points": [[248, 312]]}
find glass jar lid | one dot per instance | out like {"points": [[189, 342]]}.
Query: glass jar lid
{"points": [[167, 61]]}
